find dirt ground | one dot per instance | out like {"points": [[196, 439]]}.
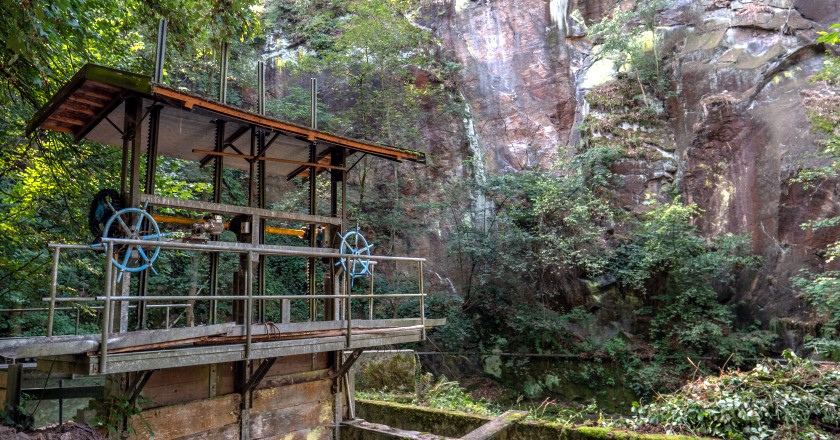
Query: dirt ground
{"points": [[67, 431]]}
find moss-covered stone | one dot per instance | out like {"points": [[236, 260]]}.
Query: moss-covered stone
{"points": [[414, 418], [457, 424]]}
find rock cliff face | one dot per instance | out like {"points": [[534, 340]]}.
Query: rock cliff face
{"points": [[731, 137]]}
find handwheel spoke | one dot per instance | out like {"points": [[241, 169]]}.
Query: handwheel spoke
{"points": [[143, 254], [123, 225], [146, 255], [127, 257], [138, 222]]}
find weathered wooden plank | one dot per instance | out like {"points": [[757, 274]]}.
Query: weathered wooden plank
{"points": [[496, 426], [67, 119], [57, 126], [188, 419], [215, 354], [148, 337], [296, 364], [286, 420], [291, 379], [89, 102], [227, 432], [271, 399], [386, 431], [226, 380], [63, 366], [178, 385], [43, 346], [318, 433]]}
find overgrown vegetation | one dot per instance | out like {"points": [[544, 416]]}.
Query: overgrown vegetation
{"points": [[822, 290], [549, 263], [629, 37], [47, 181], [794, 399], [439, 393]]}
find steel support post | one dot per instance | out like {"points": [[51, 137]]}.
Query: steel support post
{"points": [[348, 314], [261, 181], [249, 303], [149, 188], [160, 54], [313, 232], [422, 298], [132, 140], [53, 289], [218, 168], [313, 206], [106, 307]]}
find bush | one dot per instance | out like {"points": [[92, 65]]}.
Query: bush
{"points": [[797, 399]]}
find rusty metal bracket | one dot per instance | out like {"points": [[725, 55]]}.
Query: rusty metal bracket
{"points": [[137, 385], [258, 375]]}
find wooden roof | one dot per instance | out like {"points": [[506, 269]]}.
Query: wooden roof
{"points": [[91, 106]]}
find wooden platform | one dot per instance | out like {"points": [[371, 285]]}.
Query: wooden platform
{"points": [[159, 349]]}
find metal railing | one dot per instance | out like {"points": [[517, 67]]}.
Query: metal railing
{"points": [[343, 294], [79, 309]]}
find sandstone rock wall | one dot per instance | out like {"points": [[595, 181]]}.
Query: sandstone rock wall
{"points": [[735, 130]]}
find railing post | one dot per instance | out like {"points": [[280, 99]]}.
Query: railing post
{"points": [[347, 303], [370, 300], [249, 277], [53, 289], [106, 309], [422, 299]]}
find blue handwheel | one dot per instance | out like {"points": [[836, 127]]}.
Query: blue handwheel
{"points": [[135, 258], [354, 243]]}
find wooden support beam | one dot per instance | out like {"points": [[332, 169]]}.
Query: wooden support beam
{"points": [[88, 93], [258, 375], [136, 386], [294, 130], [64, 393], [348, 363], [267, 159], [83, 100], [14, 380], [384, 431], [496, 426]]}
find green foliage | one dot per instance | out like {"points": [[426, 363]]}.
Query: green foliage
{"points": [[438, 393], [550, 411], [444, 394], [796, 399], [830, 37], [631, 40], [370, 52], [47, 181], [668, 261], [398, 371], [822, 290], [113, 413]]}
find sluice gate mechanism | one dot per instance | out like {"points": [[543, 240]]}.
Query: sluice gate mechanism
{"points": [[243, 375]]}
